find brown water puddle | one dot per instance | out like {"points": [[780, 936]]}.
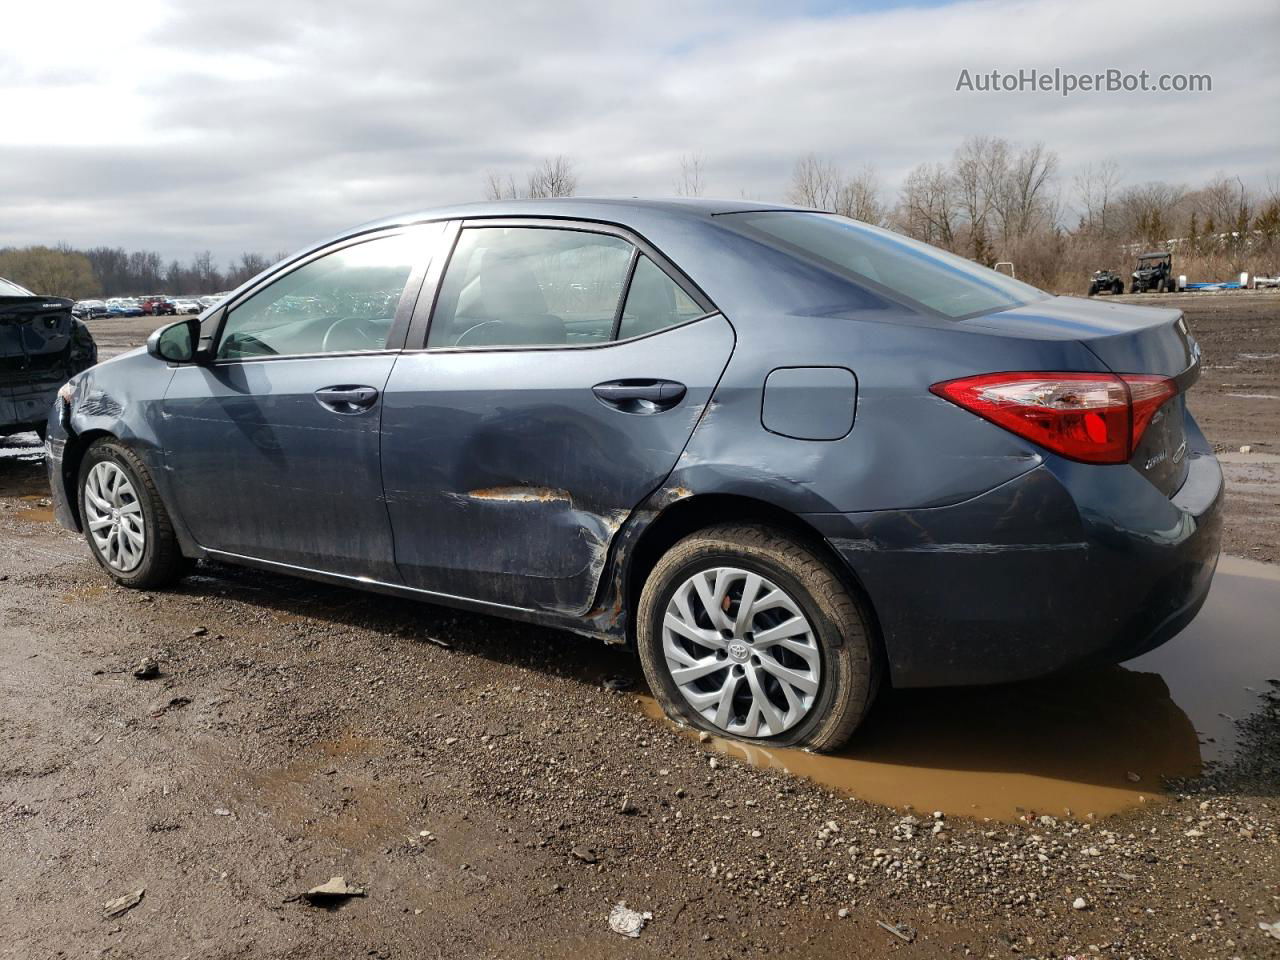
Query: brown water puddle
{"points": [[1069, 745], [35, 509], [318, 794]]}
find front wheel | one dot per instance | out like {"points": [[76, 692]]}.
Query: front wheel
{"points": [[125, 522], [745, 633]]}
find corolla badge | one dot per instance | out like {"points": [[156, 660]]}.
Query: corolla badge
{"points": [[1163, 455]]}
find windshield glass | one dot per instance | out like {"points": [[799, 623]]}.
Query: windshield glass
{"points": [[898, 265], [8, 289]]}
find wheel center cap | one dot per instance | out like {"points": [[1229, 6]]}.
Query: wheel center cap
{"points": [[115, 513], [739, 652]]}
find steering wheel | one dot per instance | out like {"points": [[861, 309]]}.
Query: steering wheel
{"points": [[462, 337], [358, 329]]}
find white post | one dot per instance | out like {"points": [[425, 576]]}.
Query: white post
{"points": [[1182, 281], [1244, 281]]}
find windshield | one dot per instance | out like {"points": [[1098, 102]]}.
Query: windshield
{"points": [[8, 289], [898, 265]]}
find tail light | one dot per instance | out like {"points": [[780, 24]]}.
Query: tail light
{"points": [[1090, 417]]}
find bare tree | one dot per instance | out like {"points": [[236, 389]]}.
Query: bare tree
{"points": [[859, 198], [1147, 211], [1096, 188], [928, 208], [690, 183], [815, 182], [981, 171], [555, 177], [1025, 204], [498, 186]]}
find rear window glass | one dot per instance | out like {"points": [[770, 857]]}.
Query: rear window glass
{"points": [[913, 271], [8, 289]]}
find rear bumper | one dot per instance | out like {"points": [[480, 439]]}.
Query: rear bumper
{"points": [[24, 405], [1065, 565]]}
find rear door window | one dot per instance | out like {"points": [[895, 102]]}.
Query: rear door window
{"points": [[654, 302]]}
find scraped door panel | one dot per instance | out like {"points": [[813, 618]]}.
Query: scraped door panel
{"points": [[507, 475]]}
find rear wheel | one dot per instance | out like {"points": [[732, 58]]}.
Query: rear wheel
{"points": [[1117, 288], [125, 522], [1093, 289], [747, 634]]}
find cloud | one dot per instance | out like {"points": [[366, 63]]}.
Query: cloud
{"points": [[181, 125]]}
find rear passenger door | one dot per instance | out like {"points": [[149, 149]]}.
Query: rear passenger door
{"points": [[562, 371]]}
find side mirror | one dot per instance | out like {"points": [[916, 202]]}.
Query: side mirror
{"points": [[177, 343]]}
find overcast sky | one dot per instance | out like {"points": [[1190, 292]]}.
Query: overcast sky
{"points": [[230, 125]]}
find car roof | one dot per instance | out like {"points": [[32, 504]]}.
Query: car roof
{"points": [[609, 209]]}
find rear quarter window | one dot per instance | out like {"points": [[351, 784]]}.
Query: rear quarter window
{"points": [[906, 269]]}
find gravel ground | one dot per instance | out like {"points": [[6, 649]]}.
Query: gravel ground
{"points": [[492, 796]]}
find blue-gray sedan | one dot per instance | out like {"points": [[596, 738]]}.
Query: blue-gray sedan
{"points": [[787, 455]]}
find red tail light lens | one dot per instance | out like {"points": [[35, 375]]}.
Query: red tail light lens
{"points": [[1090, 417]]}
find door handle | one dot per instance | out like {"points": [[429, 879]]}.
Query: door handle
{"points": [[640, 396], [347, 399]]}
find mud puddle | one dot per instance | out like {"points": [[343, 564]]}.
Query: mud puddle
{"points": [[1071, 745], [322, 792], [22, 472], [35, 509]]}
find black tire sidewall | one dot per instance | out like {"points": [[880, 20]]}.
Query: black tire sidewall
{"points": [[111, 451], [830, 685]]}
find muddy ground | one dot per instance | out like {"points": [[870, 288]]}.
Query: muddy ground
{"points": [[494, 797]]}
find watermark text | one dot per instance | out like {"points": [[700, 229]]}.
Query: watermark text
{"points": [[1065, 83]]}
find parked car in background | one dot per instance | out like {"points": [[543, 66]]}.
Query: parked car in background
{"points": [[89, 309], [186, 305], [212, 300], [787, 455], [158, 305], [42, 345], [123, 307]]}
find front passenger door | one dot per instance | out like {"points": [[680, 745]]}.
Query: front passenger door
{"points": [[275, 443]]}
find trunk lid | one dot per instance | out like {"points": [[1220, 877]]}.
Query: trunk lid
{"points": [[36, 337], [41, 347], [1126, 339]]}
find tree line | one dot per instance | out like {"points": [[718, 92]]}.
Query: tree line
{"points": [[994, 201], [115, 272]]}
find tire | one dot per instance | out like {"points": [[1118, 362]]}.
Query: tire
{"points": [[1117, 288], [161, 561], [1093, 289], [838, 640]]}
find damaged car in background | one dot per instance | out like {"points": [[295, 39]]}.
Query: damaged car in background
{"points": [[41, 347], [788, 456]]}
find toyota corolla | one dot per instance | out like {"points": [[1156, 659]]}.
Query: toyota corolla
{"points": [[786, 455]]}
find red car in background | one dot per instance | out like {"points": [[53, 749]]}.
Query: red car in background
{"points": [[157, 306]]}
